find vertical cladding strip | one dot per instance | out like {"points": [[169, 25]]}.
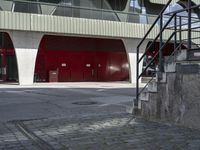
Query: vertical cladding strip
{"points": [[45, 23], [112, 27], [55, 24], [93, 27], [106, 29], [129, 28], [71, 25], [8, 25], [2, 23], [62, 24]]}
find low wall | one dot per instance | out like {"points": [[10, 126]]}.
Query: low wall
{"points": [[177, 101]]}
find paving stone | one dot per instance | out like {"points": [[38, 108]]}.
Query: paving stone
{"points": [[111, 132]]}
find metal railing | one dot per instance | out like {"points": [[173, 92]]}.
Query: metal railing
{"points": [[139, 59], [69, 10], [178, 28]]}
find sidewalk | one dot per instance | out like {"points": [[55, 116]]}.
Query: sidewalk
{"points": [[72, 85]]}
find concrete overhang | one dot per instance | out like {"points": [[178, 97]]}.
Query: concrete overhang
{"points": [[77, 26]]}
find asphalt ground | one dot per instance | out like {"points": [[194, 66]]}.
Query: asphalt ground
{"points": [[82, 116]]}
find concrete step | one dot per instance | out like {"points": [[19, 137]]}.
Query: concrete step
{"points": [[144, 96], [147, 79], [194, 55], [181, 55], [170, 61], [161, 77], [153, 87], [170, 67], [188, 67]]}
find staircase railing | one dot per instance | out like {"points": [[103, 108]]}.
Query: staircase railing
{"points": [[139, 59], [177, 28]]}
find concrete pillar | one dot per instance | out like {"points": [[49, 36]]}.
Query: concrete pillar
{"points": [[131, 50], [26, 46]]}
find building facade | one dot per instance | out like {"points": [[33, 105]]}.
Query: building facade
{"points": [[73, 40]]}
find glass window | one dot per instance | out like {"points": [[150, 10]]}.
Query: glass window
{"points": [[117, 4], [136, 6], [6, 5], [64, 9], [152, 8], [27, 7], [50, 1]]}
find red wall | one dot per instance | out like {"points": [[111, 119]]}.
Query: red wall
{"points": [[82, 59]]}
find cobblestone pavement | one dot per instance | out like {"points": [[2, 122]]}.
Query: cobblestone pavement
{"points": [[100, 132]]}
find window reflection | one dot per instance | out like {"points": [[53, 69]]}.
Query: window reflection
{"points": [[64, 9], [113, 10], [27, 7]]}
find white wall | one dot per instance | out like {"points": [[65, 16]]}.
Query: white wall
{"points": [[26, 46], [131, 50]]}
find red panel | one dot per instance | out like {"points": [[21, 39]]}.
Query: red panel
{"points": [[82, 59]]}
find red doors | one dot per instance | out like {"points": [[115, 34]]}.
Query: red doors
{"points": [[101, 66], [89, 68], [64, 74]]}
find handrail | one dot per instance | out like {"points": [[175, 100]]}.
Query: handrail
{"points": [[169, 39], [177, 28], [160, 16], [152, 26], [156, 37]]}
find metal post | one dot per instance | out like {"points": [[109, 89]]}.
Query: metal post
{"points": [[180, 28], [135, 106], [160, 66], [189, 24], [175, 30]]}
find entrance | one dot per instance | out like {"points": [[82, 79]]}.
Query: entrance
{"points": [[81, 59], [8, 62]]}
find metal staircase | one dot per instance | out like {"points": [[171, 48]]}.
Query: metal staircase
{"points": [[185, 33]]}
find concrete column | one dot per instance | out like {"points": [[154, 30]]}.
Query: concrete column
{"points": [[131, 50], [26, 46]]}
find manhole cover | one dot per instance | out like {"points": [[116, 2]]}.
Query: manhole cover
{"points": [[85, 103]]}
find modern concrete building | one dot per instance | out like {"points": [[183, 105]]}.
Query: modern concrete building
{"points": [[74, 40]]}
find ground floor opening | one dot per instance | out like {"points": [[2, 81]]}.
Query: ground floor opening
{"points": [[77, 59], [8, 63]]}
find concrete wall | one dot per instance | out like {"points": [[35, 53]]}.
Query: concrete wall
{"points": [[177, 101]]}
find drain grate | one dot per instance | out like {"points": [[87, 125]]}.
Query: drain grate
{"points": [[84, 103]]}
